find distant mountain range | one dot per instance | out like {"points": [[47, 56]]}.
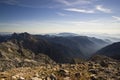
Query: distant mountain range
{"points": [[60, 49], [64, 34], [104, 36], [86, 45], [5, 33]]}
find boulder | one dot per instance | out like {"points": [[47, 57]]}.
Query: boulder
{"points": [[77, 75], [93, 71], [63, 72], [36, 78], [53, 77], [21, 78]]}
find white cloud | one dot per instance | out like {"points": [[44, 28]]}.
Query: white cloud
{"points": [[73, 2], [63, 2], [116, 17], [60, 14], [102, 9], [79, 10]]}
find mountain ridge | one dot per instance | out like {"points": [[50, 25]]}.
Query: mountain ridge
{"points": [[60, 49], [112, 50]]}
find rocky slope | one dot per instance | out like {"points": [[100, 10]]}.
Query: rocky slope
{"points": [[13, 56]]}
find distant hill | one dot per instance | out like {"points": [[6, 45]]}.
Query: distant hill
{"points": [[112, 51], [65, 34], [4, 38], [5, 33]]}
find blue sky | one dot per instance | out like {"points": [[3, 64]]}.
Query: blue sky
{"points": [[53, 16]]}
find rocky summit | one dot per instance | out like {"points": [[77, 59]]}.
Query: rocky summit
{"points": [[88, 70]]}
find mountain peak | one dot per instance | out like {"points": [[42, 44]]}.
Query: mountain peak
{"points": [[23, 36]]}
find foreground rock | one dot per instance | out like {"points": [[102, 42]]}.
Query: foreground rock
{"points": [[89, 70]]}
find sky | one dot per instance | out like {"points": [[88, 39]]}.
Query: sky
{"points": [[54, 16]]}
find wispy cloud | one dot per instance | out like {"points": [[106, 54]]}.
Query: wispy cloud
{"points": [[79, 10], [10, 2], [45, 4], [63, 2], [60, 14], [74, 2], [103, 9], [116, 17], [29, 3]]}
